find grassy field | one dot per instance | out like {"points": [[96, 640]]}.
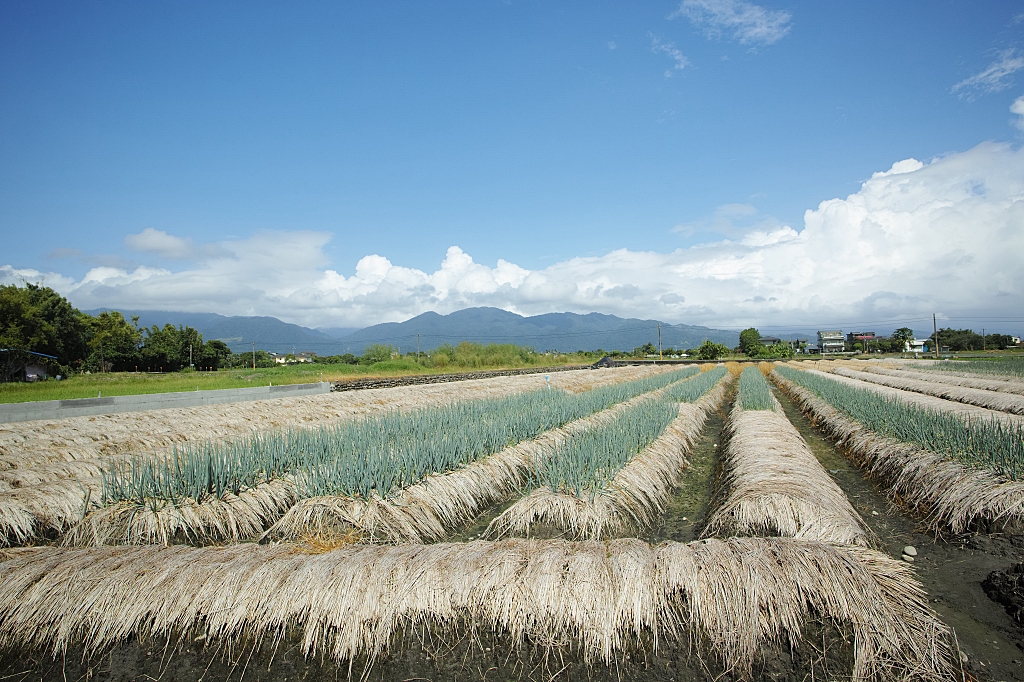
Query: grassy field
{"points": [[131, 383]]}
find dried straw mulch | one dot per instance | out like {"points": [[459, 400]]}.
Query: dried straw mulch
{"points": [[440, 504], [637, 494], [774, 485], [951, 378], [36, 443], [52, 497], [732, 598], [427, 511], [950, 494], [993, 400]]}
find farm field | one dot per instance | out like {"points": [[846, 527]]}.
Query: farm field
{"points": [[140, 383], [729, 522]]}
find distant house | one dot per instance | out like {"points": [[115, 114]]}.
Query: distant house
{"points": [[831, 342], [1015, 340], [305, 356], [859, 337], [23, 365], [914, 345], [769, 340]]}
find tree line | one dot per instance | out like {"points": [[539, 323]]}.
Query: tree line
{"points": [[39, 325]]}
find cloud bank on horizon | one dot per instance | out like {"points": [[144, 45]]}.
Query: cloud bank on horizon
{"points": [[920, 237]]}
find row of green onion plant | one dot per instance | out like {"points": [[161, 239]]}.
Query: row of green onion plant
{"points": [[586, 464], [375, 454], [985, 443], [1007, 368], [691, 390], [754, 393]]}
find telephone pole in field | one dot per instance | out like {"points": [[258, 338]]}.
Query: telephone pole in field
{"points": [[254, 355], [417, 349], [935, 329], [660, 357]]}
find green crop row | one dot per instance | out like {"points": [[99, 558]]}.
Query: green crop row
{"points": [[991, 444], [754, 393], [1006, 368], [374, 454], [691, 391], [587, 463]]}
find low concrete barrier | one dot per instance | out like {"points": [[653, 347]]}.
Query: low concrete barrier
{"points": [[89, 407]]}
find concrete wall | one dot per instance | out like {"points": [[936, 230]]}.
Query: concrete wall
{"points": [[88, 407]]}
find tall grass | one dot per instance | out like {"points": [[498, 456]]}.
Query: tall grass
{"points": [[375, 454], [986, 443], [754, 393]]}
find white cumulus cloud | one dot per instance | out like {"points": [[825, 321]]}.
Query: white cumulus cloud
{"points": [[747, 22], [946, 235], [1018, 108]]}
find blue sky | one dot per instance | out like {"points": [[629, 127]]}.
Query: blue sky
{"points": [[346, 164]]}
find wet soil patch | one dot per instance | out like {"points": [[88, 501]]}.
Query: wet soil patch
{"points": [[687, 508], [951, 568], [1007, 588], [426, 655]]}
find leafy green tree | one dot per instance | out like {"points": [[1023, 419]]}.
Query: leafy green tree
{"points": [[114, 346], [903, 335], [376, 352], [644, 350], [750, 341], [709, 350], [37, 318], [167, 349]]}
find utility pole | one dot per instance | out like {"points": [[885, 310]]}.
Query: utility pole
{"points": [[935, 329], [659, 342], [983, 339], [103, 367], [254, 355], [190, 355], [417, 349]]}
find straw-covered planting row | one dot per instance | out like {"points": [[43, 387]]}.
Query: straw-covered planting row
{"points": [[986, 383], [732, 599], [616, 478], [236, 489], [992, 400], [986, 443], [1011, 368], [441, 503], [772, 483], [954, 470]]}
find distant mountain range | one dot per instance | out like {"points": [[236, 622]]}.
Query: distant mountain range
{"points": [[552, 331], [239, 333]]}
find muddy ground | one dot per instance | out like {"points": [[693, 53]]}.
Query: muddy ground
{"points": [[950, 568]]}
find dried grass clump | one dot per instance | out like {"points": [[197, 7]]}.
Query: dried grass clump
{"points": [[774, 485], [732, 599], [954, 379], [992, 400], [213, 519], [766, 367], [949, 494], [438, 505], [33, 511], [636, 495], [734, 368]]}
